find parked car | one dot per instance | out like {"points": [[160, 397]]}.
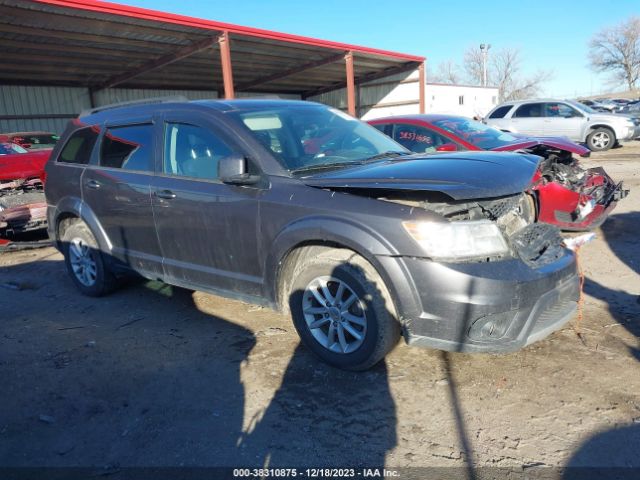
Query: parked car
{"points": [[31, 140], [600, 131], [598, 107], [22, 201], [632, 107], [562, 193], [361, 241]]}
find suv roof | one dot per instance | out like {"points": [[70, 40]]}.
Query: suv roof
{"points": [[152, 105], [532, 100]]}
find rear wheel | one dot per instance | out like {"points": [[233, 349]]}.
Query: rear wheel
{"points": [[85, 263], [601, 139], [342, 310]]}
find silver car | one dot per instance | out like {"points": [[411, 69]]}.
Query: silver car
{"points": [[600, 131]]}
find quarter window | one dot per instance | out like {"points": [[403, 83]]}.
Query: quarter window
{"points": [[192, 151], [500, 112], [128, 148], [79, 146]]}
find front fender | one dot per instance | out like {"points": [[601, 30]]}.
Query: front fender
{"points": [[322, 229]]}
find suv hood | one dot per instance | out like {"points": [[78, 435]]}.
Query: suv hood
{"points": [[461, 176], [605, 117]]}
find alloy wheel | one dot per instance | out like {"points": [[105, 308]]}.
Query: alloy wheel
{"points": [[334, 314], [601, 140], [83, 264]]}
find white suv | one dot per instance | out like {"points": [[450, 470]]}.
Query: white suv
{"points": [[600, 131]]}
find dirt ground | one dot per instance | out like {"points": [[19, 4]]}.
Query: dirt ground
{"points": [[157, 376]]}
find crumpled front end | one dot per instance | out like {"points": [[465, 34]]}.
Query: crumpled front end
{"points": [[576, 199], [490, 304]]}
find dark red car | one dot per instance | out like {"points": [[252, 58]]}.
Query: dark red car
{"points": [[22, 203], [562, 193], [31, 140]]}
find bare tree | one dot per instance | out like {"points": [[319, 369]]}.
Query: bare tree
{"points": [[447, 72], [504, 71], [617, 50], [505, 68], [473, 65]]}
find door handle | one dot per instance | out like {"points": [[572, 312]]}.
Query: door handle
{"points": [[166, 194], [93, 184]]}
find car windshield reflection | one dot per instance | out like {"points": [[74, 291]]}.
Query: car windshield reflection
{"points": [[313, 136]]}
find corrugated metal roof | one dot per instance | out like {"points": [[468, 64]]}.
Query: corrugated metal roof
{"points": [[89, 43]]}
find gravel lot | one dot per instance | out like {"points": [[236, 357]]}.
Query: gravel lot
{"points": [[158, 376]]}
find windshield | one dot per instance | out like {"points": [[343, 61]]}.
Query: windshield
{"points": [[581, 106], [10, 149], [303, 137], [481, 135]]}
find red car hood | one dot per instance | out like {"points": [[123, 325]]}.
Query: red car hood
{"points": [[23, 165], [560, 143]]}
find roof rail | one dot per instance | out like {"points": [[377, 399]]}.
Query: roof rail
{"points": [[146, 101]]}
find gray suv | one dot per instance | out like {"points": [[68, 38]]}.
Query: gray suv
{"points": [[566, 118], [305, 209]]}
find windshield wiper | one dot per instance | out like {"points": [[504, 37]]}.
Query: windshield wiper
{"points": [[322, 166], [387, 154]]}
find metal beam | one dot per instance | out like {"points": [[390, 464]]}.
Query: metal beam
{"points": [[422, 82], [291, 71], [405, 67], [227, 68], [159, 62], [351, 88]]}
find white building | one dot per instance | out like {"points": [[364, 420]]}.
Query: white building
{"points": [[399, 95], [465, 100]]}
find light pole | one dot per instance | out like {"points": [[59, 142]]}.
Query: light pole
{"points": [[484, 50]]}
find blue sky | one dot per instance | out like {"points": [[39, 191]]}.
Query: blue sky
{"points": [[551, 35]]}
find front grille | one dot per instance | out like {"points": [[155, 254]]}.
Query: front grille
{"points": [[499, 207], [538, 244]]}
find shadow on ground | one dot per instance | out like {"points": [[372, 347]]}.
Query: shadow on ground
{"points": [[620, 232], [145, 377]]}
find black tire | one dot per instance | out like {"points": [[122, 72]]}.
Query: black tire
{"points": [[381, 330], [102, 281], [601, 139]]}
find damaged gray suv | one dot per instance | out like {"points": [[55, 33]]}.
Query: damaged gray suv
{"points": [[303, 208]]}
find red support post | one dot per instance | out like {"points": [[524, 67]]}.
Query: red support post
{"points": [[227, 70], [422, 84], [351, 89]]}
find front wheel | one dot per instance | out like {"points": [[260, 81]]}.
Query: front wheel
{"points": [[601, 139], [342, 309]]}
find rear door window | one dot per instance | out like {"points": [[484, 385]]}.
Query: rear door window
{"points": [[79, 146], [500, 112], [529, 110], [129, 148], [192, 151]]}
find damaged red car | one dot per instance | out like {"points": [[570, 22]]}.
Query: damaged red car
{"points": [[562, 192], [22, 204]]}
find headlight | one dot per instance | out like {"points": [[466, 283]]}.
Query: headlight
{"points": [[458, 240]]}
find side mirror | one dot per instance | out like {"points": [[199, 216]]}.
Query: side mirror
{"points": [[233, 171], [25, 145], [447, 147]]}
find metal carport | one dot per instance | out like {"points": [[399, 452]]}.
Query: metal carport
{"points": [[100, 45]]}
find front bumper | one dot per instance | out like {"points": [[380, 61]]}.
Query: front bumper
{"points": [[628, 133], [483, 307]]}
